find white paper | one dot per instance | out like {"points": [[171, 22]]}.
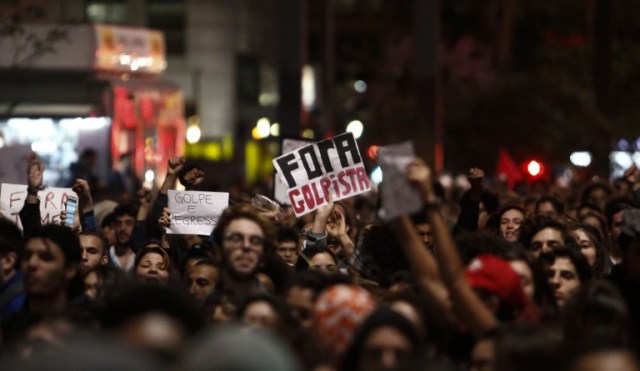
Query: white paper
{"points": [[12, 166], [194, 212], [332, 168], [398, 196], [279, 187], [52, 201]]}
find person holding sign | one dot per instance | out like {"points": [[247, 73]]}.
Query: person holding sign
{"points": [[245, 238]]}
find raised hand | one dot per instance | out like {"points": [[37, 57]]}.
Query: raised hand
{"points": [[165, 219], [475, 177], [81, 188], [632, 174], [175, 165], [193, 178], [35, 172], [419, 174], [336, 225], [144, 196]]}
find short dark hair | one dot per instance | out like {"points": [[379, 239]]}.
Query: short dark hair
{"points": [[63, 237], [577, 259], [10, 237], [558, 205], [288, 234], [108, 220], [615, 205], [309, 279], [146, 298], [125, 209], [96, 235], [532, 225]]}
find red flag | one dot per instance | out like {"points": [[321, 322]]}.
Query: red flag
{"points": [[507, 169]]}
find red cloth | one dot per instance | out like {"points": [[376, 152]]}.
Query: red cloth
{"points": [[507, 169], [496, 276]]}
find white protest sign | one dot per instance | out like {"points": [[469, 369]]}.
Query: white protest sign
{"points": [[398, 196], [13, 162], [52, 201], [330, 167], [194, 212], [279, 186]]}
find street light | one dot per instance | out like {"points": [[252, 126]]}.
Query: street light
{"points": [[356, 127]]}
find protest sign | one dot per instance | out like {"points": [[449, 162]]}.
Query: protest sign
{"points": [[13, 162], [52, 201], [398, 196], [329, 168], [279, 187], [194, 212]]}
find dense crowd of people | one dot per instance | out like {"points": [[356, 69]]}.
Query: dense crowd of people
{"points": [[479, 279]]}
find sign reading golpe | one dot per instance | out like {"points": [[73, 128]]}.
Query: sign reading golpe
{"points": [[329, 169]]}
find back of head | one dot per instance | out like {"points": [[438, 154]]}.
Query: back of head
{"points": [[63, 237], [528, 347], [10, 237], [381, 317], [472, 244], [232, 348], [337, 313], [596, 313]]}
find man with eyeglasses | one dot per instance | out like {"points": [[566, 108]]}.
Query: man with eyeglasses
{"points": [[245, 238]]}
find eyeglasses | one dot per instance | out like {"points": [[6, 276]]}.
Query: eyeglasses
{"points": [[237, 239]]}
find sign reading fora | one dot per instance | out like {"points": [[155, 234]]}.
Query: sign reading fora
{"points": [[331, 168], [52, 201]]}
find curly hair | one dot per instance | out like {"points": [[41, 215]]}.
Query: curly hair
{"points": [[249, 212]]}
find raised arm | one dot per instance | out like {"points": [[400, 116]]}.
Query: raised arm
{"points": [[466, 304], [317, 236], [422, 262], [139, 233], [30, 212], [161, 201], [174, 166], [337, 228], [470, 202], [85, 204]]}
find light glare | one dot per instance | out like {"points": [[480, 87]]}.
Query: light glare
{"points": [[149, 176], [376, 175], [263, 128], [356, 127], [193, 134], [582, 159]]}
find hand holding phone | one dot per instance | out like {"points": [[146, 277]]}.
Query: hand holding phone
{"points": [[70, 208]]}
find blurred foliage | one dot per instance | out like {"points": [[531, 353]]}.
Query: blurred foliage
{"points": [[543, 103]]}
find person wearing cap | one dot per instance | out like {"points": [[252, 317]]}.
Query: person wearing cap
{"points": [[498, 285], [337, 313]]}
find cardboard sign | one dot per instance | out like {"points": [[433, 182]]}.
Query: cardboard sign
{"points": [[279, 187], [398, 196], [194, 212], [329, 168], [13, 162], [52, 201]]}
